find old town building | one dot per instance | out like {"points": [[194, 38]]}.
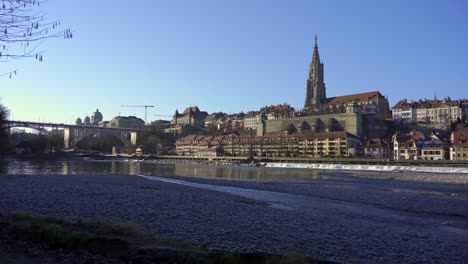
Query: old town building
{"points": [[442, 112], [126, 122], [190, 120], [328, 144], [459, 148], [416, 146]]}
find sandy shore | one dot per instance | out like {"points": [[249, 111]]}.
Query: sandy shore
{"points": [[352, 217]]}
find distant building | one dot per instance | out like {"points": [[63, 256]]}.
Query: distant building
{"points": [[96, 117], [416, 146], [191, 116], [161, 123], [251, 120], [104, 124], [278, 111], [190, 120], [214, 119], [459, 148], [363, 115], [333, 144], [87, 121], [376, 148], [435, 111], [127, 122], [317, 103]]}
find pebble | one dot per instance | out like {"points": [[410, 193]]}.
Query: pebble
{"points": [[218, 221]]}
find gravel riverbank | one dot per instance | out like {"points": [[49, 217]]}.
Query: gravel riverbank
{"points": [[345, 218]]}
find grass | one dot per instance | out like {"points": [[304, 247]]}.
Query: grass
{"points": [[52, 235], [61, 232], [67, 233]]}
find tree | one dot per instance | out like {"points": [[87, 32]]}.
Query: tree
{"points": [[23, 27], [55, 140], [3, 130], [152, 136]]}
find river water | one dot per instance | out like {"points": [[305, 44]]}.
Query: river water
{"points": [[31, 167]]}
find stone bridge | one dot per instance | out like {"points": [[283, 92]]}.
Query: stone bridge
{"points": [[73, 134]]}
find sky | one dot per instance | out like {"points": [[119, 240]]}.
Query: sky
{"points": [[236, 55]]}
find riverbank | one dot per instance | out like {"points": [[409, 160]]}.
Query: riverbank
{"points": [[52, 239], [334, 218]]}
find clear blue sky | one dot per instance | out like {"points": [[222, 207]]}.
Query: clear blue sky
{"points": [[237, 55]]}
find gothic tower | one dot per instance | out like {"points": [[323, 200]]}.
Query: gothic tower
{"points": [[315, 93]]}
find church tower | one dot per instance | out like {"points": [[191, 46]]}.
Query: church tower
{"points": [[315, 94]]}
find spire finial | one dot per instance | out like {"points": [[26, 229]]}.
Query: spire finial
{"points": [[316, 39]]}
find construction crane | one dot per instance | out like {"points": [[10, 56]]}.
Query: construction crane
{"points": [[145, 106]]}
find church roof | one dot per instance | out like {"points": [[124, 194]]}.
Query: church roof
{"points": [[358, 97]]}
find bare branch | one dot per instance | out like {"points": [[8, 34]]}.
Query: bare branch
{"points": [[23, 27]]}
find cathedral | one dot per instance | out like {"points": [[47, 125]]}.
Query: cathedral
{"points": [[316, 101], [363, 115]]}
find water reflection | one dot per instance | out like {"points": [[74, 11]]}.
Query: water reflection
{"points": [[137, 168]]}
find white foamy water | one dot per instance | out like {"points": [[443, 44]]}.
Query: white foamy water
{"points": [[356, 167]]}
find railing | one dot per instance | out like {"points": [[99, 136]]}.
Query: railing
{"points": [[62, 125]]}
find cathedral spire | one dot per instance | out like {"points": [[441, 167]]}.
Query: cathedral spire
{"points": [[315, 91], [316, 56]]}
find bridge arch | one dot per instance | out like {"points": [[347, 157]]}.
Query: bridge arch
{"points": [[37, 128], [123, 137], [74, 135]]}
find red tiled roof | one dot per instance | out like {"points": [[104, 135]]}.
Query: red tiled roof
{"points": [[460, 136], [192, 108], [351, 97], [429, 103]]}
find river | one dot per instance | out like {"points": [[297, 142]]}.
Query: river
{"points": [[33, 167]]}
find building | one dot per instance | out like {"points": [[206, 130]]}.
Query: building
{"points": [[127, 122], [459, 148], [362, 115], [327, 144], [440, 112], [416, 146], [278, 111], [376, 148], [191, 116], [192, 119], [95, 119], [161, 123], [251, 120], [351, 121], [316, 101]]}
